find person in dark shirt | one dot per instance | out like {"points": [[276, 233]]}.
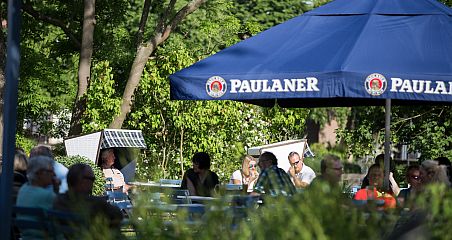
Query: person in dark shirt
{"points": [[413, 177], [199, 180], [331, 171], [78, 198]]}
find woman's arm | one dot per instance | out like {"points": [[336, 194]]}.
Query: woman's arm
{"points": [[394, 185], [191, 187], [236, 181]]}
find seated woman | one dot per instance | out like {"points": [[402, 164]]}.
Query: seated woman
{"points": [[199, 180], [247, 175], [375, 189], [413, 178], [108, 160], [20, 173]]}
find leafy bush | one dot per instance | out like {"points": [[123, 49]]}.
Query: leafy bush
{"points": [[99, 183], [318, 213], [25, 143]]}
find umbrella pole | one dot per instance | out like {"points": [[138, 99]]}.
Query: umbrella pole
{"points": [[9, 116], [387, 144]]}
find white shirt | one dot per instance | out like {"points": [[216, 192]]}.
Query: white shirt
{"points": [[116, 175], [237, 175], [306, 174]]}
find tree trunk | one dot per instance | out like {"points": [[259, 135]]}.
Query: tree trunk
{"points": [[84, 71], [141, 58], [145, 50]]}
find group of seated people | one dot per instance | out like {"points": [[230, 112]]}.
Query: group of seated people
{"points": [[274, 181], [271, 180], [37, 185]]}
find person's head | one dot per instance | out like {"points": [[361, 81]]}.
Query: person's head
{"points": [[41, 150], [380, 160], [432, 172], [249, 163], [108, 158], [376, 176], [413, 176], [266, 160], [331, 168], [80, 179], [295, 161], [201, 161], [20, 162], [40, 171]]}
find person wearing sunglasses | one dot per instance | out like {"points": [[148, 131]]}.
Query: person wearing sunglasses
{"points": [[35, 193], [248, 175], [413, 178], [79, 200], [331, 170], [301, 174]]}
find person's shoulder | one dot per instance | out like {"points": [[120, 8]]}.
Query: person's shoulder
{"points": [[309, 169], [59, 167], [236, 173], [214, 174]]}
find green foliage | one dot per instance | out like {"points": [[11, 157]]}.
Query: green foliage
{"points": [[102, 105], [99, 183], [320, 151], [44, 88], [224, 129], [426, 129], [25, 143], [268, 12], [319, 213]]}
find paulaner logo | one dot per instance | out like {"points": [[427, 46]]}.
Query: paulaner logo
{"points": [[308, 84], [421, 86], [375, 84], [216, 86]]}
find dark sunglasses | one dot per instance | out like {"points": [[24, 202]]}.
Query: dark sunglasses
{"points": [[296, 163], [252, 165]]}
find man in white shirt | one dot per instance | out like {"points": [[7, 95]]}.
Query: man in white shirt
{"points": [[301, 174], [110, 172]]}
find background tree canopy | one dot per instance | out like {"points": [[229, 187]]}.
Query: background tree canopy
{"points": [[175, 130]]}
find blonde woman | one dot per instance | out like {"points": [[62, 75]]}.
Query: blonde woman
{"points": [[247, 175]]}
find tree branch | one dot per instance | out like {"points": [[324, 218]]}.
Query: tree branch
{"points": [[26, 7], [185, 11], [143, 20]]}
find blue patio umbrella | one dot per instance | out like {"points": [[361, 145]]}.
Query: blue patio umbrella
{"points": [[345, 53]]}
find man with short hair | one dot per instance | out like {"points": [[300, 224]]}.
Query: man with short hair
{"points": [[108, 160], [78, 198], [272, 180], [331, 171], [301, 174]]}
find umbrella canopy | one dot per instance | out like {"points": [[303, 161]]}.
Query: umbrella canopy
{"points": [[345, 53]]}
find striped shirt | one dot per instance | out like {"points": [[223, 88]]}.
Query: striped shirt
{"points": [[274, 181]]}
